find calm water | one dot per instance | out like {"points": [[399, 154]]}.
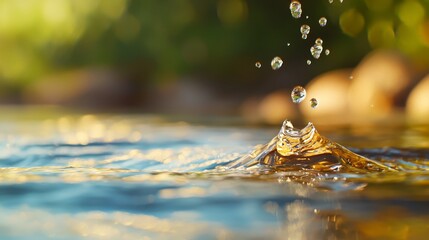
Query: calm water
{"points": [[128, 177]]}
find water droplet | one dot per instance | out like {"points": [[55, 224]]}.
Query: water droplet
{"points": [[323, 21], [351, 77], [258, 65], [331, 1], [319, 41], [316, 50], [288, 44], [327, 52], [295, 9], [298, 94], [306, 17], [276, 63], [308, 62], [314, 103], [305, 29]]}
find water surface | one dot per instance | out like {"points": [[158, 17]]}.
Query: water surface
{"points": [[140, 177]]}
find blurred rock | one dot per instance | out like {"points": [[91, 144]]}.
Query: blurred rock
{"points": [[272, 109], [418, 102], [249, 110], [379, 79], [88, 88], [188, 96], [331, 91]]}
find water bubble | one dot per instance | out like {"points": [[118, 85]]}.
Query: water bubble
{"points": [[258, 65], [327, 52], [298, 94], [305, 30], [276, 63], [295, 9], [316, 50], [308, 62], [323, 21], [314, 103], [319, 41]]}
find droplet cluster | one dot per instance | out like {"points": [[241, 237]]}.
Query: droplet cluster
{"points": [[298, 94]]}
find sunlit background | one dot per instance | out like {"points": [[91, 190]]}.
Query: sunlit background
{"points": [[198, 57]]}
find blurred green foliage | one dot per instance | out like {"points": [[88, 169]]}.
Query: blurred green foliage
{"points": [[216, 40]]}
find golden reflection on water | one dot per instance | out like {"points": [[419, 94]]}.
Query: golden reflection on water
{"points": [[296, 220], [101, 225]]}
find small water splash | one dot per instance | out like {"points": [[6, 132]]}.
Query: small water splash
{"points": [[305, 149]]}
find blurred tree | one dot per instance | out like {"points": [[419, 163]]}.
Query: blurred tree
{"points": [[217, 41]]}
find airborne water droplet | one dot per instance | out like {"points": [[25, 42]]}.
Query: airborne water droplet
{"points": [[319, 41], [327, 52], [276, 63], [295, 9], [308, 62], [331, 1], [316, 50], [323, 21], [258, 65], [298, 94], [314, 103], [305, 30]]}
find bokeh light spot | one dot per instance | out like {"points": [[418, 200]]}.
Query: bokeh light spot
{"points": [[352, 22], [127, 28], [381, 34], [231, 12], [411, 12], [378, 5]]}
